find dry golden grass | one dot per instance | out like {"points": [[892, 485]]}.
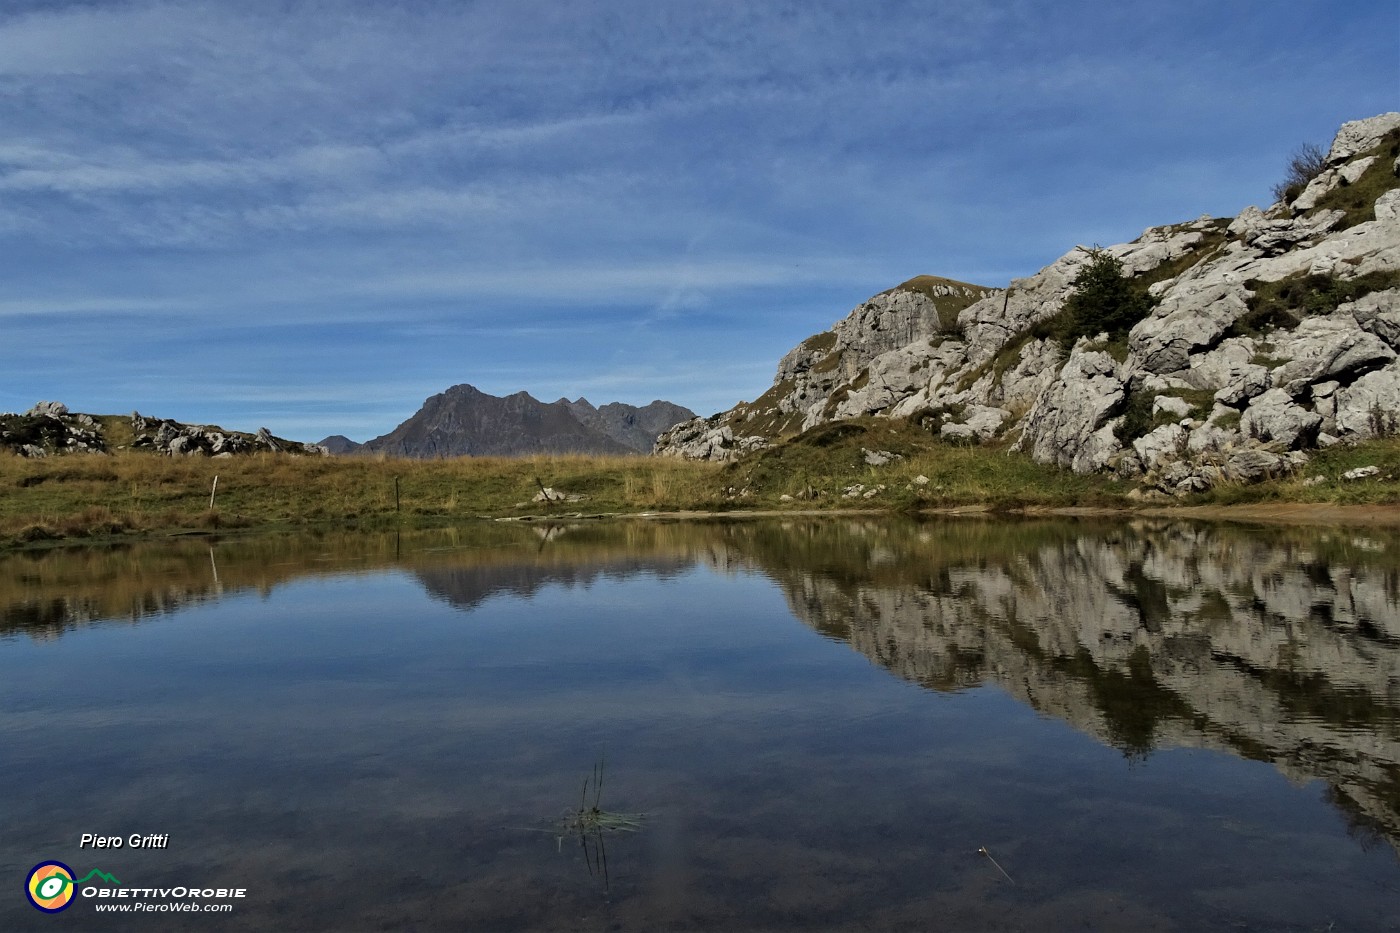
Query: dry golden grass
{"points": [[84, 495]]}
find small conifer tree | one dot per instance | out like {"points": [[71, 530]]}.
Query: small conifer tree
{"points": [[1104, 300]]}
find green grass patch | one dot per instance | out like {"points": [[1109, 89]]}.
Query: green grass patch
{"points": [[1286, 302], [829, 458], [763, 417]]}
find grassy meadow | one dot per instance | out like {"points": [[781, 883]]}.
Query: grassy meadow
{"points": [[90, 497]]}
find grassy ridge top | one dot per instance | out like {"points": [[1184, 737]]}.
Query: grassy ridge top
{"points": [[88, 497]]}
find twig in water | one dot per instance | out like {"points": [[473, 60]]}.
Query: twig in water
{"points": [[983, 851]]}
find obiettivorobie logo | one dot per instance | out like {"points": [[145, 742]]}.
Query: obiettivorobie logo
{"points": [[51, 885]]}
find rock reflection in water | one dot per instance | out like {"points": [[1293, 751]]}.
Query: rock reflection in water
{"points": [[1281, 647]]}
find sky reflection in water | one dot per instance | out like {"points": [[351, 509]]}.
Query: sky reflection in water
{"points": [[1148, 727]]}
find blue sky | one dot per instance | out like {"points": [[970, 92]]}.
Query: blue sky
{"points": [[313, 215]]}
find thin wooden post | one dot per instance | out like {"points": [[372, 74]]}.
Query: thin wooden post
{"points": [[213, 489], [396, 494]]}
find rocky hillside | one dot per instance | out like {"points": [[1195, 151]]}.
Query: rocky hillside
{"points": [[50, 428], [1235, 346], [464, 421]]}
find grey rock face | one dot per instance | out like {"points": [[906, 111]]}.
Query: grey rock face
{"points": [[1160, 445], [1058, 429], [980, 422], [1377, 313], [1327, 348], [1357, 136], [1185, 321]]}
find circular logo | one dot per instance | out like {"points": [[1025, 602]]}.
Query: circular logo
{"points": [[49, 886]]}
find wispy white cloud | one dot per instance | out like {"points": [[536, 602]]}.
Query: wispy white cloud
{"points": [[616, 282], [127, 171], [98, 40], [103, 305]]}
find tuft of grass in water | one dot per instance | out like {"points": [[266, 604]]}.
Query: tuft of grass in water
{"points": [[590, 824], [592, 818]]}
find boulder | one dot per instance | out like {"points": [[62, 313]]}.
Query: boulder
{"points": [[1254, 465], [1273, 417], [1161, 445], [1213, 436], [980, 422], [48, 410], [1172, 405], [1388, 207], [183, 445], [1249, 220], [1277, 236], [1370, 406], [1378, 313]]}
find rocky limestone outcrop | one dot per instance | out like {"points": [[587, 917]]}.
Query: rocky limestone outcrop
{"points": [[706, 439], [1269, 334], [173, 439], [862, 364], [49, 428]]}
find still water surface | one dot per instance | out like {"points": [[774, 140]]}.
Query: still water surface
{"points": [[818, 725]]}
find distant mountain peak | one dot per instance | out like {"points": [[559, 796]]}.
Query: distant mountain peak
{"points": [[464, 421]]}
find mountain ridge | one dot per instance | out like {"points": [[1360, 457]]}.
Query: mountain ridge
{"points": [[464, 421]]}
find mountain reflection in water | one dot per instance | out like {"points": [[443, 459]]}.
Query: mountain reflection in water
{"points": [[1278, 645]]}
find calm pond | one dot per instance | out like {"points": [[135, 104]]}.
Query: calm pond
{"points": [[824, 724]]}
